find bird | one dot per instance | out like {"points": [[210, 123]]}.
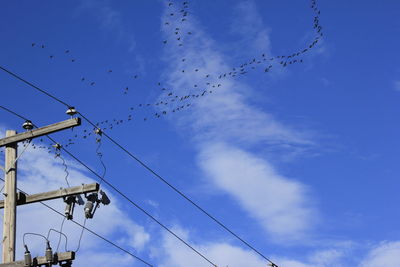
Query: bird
{"points": [[92, 83], [33, 44], [66, 51]]}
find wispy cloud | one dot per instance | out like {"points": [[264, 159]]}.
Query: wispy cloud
{"points": [[111, 21], [397, 86], [174, 254], [226, 127], [280, 205], [385, 254]]}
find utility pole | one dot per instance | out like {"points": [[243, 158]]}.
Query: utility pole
{"points": [[10, 205], [12, 199]]}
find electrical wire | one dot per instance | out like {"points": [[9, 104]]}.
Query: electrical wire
{"points": [[133, 203], [89, 230], [59, 239], [80, 237], [12, 112], [61, 234], [58, 155], [138, 207], [35, 234], [158, 176], [100, 156], [34, 86]]}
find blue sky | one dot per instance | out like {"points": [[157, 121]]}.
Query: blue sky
{"points": [[301, 161]]}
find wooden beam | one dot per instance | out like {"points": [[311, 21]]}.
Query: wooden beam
{"points": [[10, 199], [40, 131], [37, 261], [62, 192]]}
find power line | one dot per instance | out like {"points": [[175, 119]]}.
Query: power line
{"points": [[91, 231], [137, 206], [34, 86], [102, 179], [145, 166]]}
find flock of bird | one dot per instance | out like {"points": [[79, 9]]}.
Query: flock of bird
{"points": [[170, 102], [72, 59], [178, 16]]}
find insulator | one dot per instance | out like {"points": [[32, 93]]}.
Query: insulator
{"points": [[27, 257], [27, 125], [98, 131], [71, 111], [57, 146], [69, 208], [88, 209], [104, 198], [49, 253]]}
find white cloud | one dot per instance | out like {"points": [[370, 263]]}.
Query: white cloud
{"points": [[109, 18], [175, 254], [397, 86], [385, 254], [279, 204]]}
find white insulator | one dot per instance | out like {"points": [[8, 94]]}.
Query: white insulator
{"points": [[71, 111], [27, 125]]}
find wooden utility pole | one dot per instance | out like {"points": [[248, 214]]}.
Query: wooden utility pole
{"points": [[12, 199]]}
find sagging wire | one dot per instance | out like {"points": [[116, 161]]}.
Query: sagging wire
{"points": [[80, 238], [58, 147], [28, 233], [61, 234], [99, 134], [35, 234]]}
